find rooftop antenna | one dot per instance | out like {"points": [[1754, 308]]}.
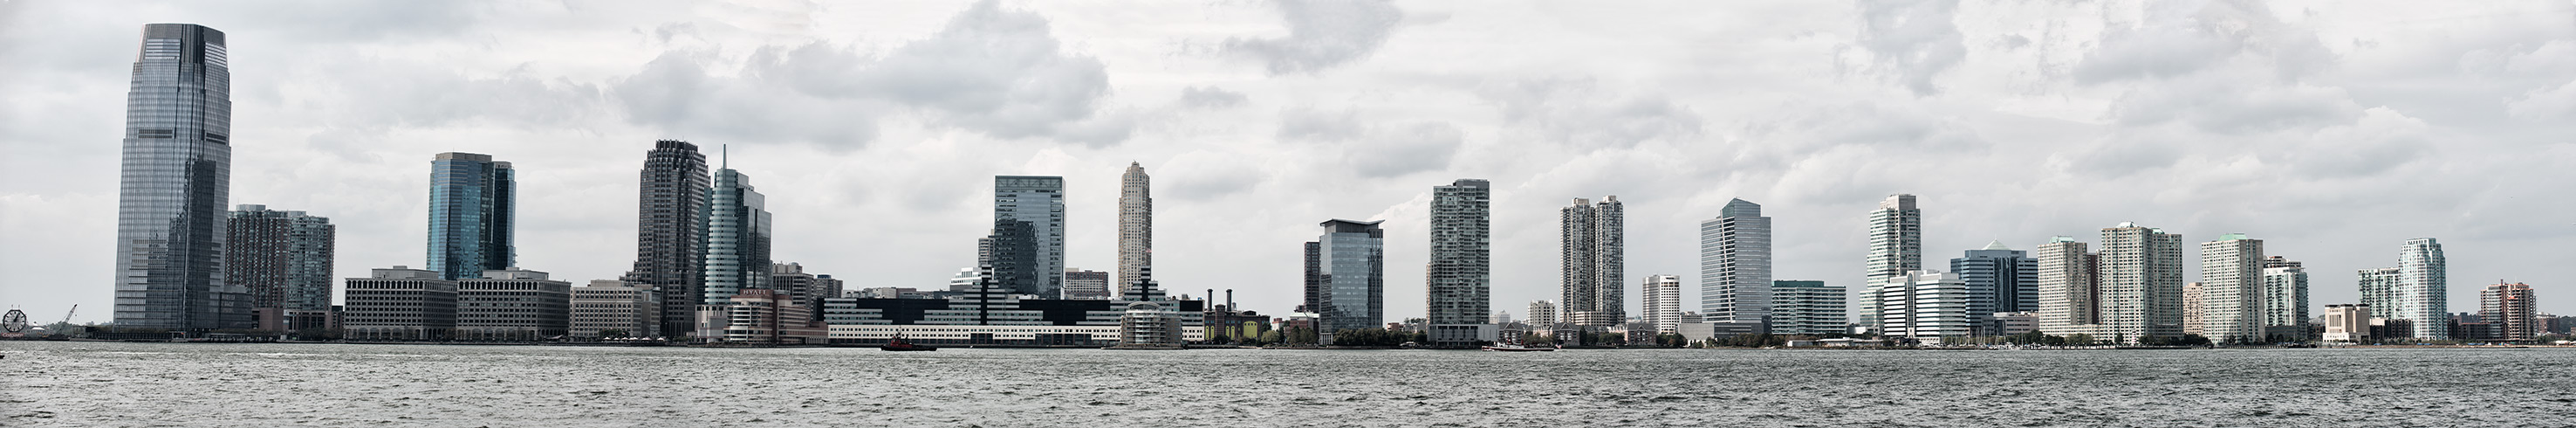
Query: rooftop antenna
{"points": [[724, 156]]}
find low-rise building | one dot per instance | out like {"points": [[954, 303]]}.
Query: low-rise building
{"points": [[1925, 306], [400, 303], [613, 306], [513, 305], [768, 317], [2012, 323], [1808, 308]]}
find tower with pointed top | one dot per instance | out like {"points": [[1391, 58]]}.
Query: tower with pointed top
{"points": [[1135, 227]]}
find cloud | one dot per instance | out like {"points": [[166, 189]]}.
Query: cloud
{"points": [[1405, 149], [1577, 111], [1313, 125], [2546, 104], [1211, 98], [1203, 175], [1912, 41], [1322, 34]]}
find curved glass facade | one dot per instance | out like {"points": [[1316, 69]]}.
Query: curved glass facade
{"points": [[175, 183]]}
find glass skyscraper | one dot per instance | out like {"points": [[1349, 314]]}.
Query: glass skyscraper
{"points": [[1039, 203], [2000, 279], [1895, 249], [1350, 279], [1735, 266], [737, 241], [472, 205], [1461, 247], [2423, 289], [175, 185]]}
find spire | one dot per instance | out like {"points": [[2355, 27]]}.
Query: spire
{"points": [[1996, 245]]}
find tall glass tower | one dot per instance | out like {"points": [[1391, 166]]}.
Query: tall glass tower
{"points": [[2000, 279], [737, 241], [1461, 270], [176, 180], [1038, 202], [1352, 278], [1895, 248], [472, 204], [1735, 266], [670, 229]]}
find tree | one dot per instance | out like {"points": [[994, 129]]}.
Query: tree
{"points": [[2079, 339], [1273, 336], [1671, 340]]}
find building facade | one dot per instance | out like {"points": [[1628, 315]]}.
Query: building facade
{"points": [[2285, 299], [174, 184], [1925, 306], [1809, 308], [1735, 266], [2231, 289], [2141, 284], [1350, 276], [1895, 248], [2069, 286], [1086, 284], [616, 309], [1028, 222], [1594, 262], [1135, 227], [1663, 299], [768, 317], [472, 215], [398, 304], [2347, 323], [2511, 309], [2000, 280], [512, 305], [737, 239], [670, 231], [1542, 316], [1459, 277], [804, 288], [2422, 290], [283, 259]]}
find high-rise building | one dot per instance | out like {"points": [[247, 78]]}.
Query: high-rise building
{"points": [[1314, 279], [615, 309], [796, 285], [175, 182], [2423, 289], [1036, 203], [1460, 271], [1350, 282], [1895, 247], [2510, 307], [2285, 298], [1135, 227], [2378, 288], [1926, 306], [1809, 308], [472, 211], [737, 240], [2347, 323], [283, 258], [670, 231], [2231, 289], [1663, 298], [398, 304], [1085, 284], [2192, 307], [512, 305], [2069, 287], [2141, 284], [1542, 315], [1594, 257], [2000, 280], [1735, 266]]}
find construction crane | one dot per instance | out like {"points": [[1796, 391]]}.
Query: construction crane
{"points": [[67, 315]]}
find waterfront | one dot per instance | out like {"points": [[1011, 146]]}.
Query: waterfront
{"points": [[143, 384]]}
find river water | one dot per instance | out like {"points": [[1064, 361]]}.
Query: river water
{"points": [[147, 384]]}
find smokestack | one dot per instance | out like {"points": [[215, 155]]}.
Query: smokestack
{"points": [[1229, 300]]}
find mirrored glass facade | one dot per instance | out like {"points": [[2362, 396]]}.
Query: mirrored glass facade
{"points": [[174, 186], [472, 205]]}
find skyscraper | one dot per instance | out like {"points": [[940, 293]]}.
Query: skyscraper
{"points": [[2423, 289], [2285, 299], [2511, 308], [1735, 266], [2069, 287], [1037, 202], [2378, 290], [1895, 247], [283, 258], [472, 206], [2141, 283], [2000, 279], [174, 185], [670, 231], [1809, 308], [1460, 273], [1135, 226], [1351, 276], [2231, 288], [737, 240], [1663, 298], [1594, 259]]}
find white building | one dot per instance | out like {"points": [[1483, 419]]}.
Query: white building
{"points": [[2231, 289], [1663, 295], [2347, 323], [610, 305], [1925, 306], [2141, 284], [1542, 316], [2069, 274], [2422, 291], [1895, 249]]}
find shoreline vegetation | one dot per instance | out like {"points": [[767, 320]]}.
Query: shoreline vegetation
{"points": [[1309, 347]]}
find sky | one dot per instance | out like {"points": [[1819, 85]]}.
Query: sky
{"points": [[2333, 130]]}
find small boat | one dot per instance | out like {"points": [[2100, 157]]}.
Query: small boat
{"points": [[1515, 348], [897, 344]]}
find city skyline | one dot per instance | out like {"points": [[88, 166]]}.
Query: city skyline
{"points": [[358, 161]]}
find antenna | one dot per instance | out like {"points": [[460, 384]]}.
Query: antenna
{"points": [[724, 156]]}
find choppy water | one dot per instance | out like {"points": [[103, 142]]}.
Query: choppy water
{"points": [[123, 384]]}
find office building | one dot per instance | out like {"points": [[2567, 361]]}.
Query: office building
{"points": [[737, 239], [1086, 284], [670, 231], [1895, 248], [512, 305], [1459, 275], [2069, 286], [2012, 323], [174, 184], [472, 215], [1925, 306], [2347, 323], [1135, 227], [2285, 299], [398, 304], [1809, 308], [768, 317], [616, 309], [1663, 298], [2511, 309], [804, 288], [283, 258], [1028, 227], [1349, 279], [1735, 266], [2000, 280], [1594, 262], [2231, 289], [2141, 284]]}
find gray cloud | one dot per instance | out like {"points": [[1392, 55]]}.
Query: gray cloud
{"points": [[1913, 40], [1314, 125], [1211, 98], [1322, 34], [1577, 111], [1405, 149]]}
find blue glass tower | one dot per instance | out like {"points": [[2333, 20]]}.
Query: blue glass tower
{"points": [[1999, 279], [737, 240], [174, 185], [472, 203]]}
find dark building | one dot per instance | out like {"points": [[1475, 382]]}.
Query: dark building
{"points": [[174, 186], [1350, 282], [283, 258], [1314, 277], [1999, 280], [473, 206], [1012, 252], [670, 252]]}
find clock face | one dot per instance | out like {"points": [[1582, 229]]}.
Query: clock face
{"points": [[15, 321]]}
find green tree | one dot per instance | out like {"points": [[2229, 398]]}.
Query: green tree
{"points": [[1273, 336]]}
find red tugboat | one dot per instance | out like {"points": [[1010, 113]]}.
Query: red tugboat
{"points": [[897, 344]]}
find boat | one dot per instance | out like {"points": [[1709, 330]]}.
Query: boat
{"points": [[898, 345], [1515, 348]]}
